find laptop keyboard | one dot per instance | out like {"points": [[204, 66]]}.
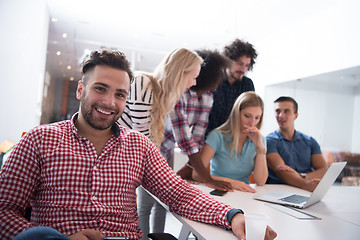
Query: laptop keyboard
{"points": [[295, 198]]}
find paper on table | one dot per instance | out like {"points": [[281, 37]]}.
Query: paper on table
{"points": [[293, 212]]}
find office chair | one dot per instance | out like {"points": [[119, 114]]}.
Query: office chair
{"points": [[161, 236]]}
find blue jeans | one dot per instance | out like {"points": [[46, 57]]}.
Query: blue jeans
{"points": [[40, 233]]}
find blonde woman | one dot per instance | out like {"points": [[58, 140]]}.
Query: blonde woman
{"points": [[153, 95], [237, 148], [151, 98]]}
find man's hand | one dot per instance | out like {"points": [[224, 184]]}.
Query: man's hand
{"points": [[185, 172], [204, 175], [310, 184], [221, 185], [87, 234], [270, 233], [238, 228], [242, 186]]}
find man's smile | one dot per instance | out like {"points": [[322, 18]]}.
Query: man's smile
{"points": [[103, 111]]}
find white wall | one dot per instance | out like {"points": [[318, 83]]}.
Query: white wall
{"points": [[324, 40], [356, 125], [23, 44]]}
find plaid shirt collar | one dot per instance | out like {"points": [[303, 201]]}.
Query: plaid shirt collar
{"points": [[193, 94], [115, 127]]}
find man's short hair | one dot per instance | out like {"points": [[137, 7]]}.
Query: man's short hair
{"points": [[106, 57], [239, 48], [288, 99]]}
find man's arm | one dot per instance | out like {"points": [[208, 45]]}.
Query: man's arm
{"points": [[319, 165], [204, 174], [17, 178], [190, 139], [204, 158], [236, 184], [289, 175]]}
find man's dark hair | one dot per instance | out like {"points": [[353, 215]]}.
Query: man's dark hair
{"points": [[106, 57], [288, 99], [211, 73], [239, 48]]}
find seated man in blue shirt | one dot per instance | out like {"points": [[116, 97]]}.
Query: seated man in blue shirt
{"points": [[293, 158]]}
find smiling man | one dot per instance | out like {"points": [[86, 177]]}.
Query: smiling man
{"points": [[101, 103], [293, 158], [242, 55], [80, 175]]}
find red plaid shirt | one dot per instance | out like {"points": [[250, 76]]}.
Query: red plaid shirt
{"points": [[70, 188], [189, 121]]}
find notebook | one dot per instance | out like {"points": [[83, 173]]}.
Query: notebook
{"points": [[303, 201]]}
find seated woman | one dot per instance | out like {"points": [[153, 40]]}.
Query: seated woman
{"points": [[237, 148]]}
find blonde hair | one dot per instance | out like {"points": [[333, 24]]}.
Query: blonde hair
{"points": [[168, 86], [232, 126]]}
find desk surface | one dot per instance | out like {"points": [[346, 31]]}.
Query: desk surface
{"points": [[339, 212]]}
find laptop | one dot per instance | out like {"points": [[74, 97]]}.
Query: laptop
{"points": [[303, 201]]}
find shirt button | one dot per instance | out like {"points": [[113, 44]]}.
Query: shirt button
{"points": [[94, 198]]}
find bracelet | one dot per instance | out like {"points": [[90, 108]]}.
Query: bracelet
{"points": [[231, 213], [260, 151]]}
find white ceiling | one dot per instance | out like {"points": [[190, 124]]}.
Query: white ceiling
{"points": [[145, 30], [340, 81]]}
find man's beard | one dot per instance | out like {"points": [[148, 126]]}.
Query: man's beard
{"points": [[87, 110], [236, 78]]}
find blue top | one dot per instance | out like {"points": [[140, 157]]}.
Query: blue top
{"points": [[224, 164], [296, 153]]}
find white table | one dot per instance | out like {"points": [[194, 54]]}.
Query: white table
{"points": [[339, 212]]}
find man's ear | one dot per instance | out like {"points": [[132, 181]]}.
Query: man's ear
{"points": [[79, 89], [296, 115]]}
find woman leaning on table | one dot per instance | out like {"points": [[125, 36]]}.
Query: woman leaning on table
{"points": [[237, 148]]}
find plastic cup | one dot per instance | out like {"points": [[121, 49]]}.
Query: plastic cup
{"points": [[255, 226]]}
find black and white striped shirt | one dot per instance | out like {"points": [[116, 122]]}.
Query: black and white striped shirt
{"points": [[138, 106]]}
